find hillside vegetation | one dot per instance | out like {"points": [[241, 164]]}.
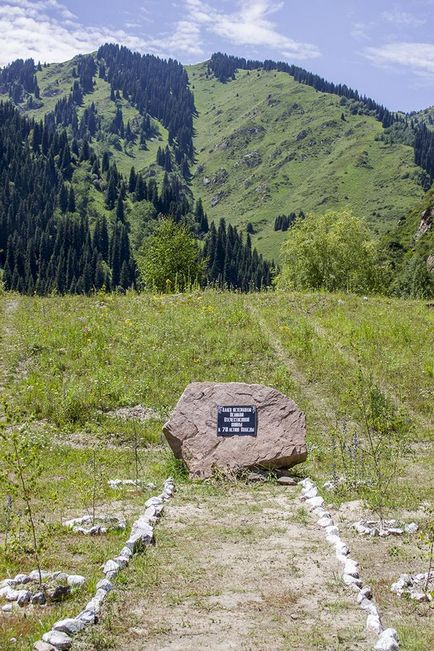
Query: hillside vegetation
{"points": [[265, 145], [268, 145], [67, 362]]}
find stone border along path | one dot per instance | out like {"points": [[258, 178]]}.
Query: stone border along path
{"points": [[142, 535], [387, 638]]}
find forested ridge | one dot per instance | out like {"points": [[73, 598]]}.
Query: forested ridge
{"points": [[72, 222]]}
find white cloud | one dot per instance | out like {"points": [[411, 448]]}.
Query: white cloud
{"points": [[418, 57], [402, 18], [249, 24], [360, 31], [48, 31]]}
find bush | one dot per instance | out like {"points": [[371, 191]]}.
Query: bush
{"points": [[333, 251], [170, 259]]}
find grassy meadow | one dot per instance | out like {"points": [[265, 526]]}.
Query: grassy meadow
{"points": [[67, 361]]}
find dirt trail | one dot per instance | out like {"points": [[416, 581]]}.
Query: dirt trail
{"points": [[236, 568], [318, 402]]}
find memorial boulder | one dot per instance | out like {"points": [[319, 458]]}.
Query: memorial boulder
{"points": [[234, 426]]}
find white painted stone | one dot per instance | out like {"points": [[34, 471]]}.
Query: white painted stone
{"points": [[104, 584], [419, 596], [122, 561], [351, 580], [24, 597], [110, 566], [7, 583], [308, 493], [373, 624], [365, 593], [126, 552], [87, 617], [75, 580], [58, 639], [342, 549], [69, 626], [351, 568], [332, 530], [34, 576], [22, 578], [153, 501], [312, 502], [411, 528], [324, 521], [7, 608], [388, 641]]}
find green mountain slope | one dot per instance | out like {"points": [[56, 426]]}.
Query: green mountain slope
{"points": [[55, 82], [267, 145]]}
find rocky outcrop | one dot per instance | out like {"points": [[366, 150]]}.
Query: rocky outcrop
{"points": [[425, 223], [279, 441]]}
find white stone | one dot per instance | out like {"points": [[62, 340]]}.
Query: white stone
{"points": [[351, 567], [75, 580], [34, 576], [7, 583], [351, 580], [95, 604], [126, 552], [312, 502], [7, 608], [324, 521], [87, 617], [307, 493], [110, 566], [388, 641], [411, 528], [104, 584], [365, 593], [373, 624], [122, 561], [332, 530], [24, 597], [58, 639], [9, 593], [342, 549], [153, 501], [395, 531], [22, 578], [418, 596], [306, 482], [69, 626]]}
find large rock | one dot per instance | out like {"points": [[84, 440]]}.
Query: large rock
{"points": [[192, 429]]}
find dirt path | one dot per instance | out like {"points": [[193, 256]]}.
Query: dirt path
{"points": [[317, 401], [239, 567]]}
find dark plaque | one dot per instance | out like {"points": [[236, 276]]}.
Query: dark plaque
{"points": [[236, 421]]}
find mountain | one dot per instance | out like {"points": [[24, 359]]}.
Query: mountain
{"points": [[258, 142], [268, 145]]}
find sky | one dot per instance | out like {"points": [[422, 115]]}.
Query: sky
{"points": [[383, 49]]}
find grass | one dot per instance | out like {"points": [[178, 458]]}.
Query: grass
{"points": [[338, 163], [67, 361]]}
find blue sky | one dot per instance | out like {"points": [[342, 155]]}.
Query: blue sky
{"points": [[384, 49]]}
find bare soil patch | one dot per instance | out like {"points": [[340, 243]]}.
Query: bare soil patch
{"points": [[234, 568]]}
